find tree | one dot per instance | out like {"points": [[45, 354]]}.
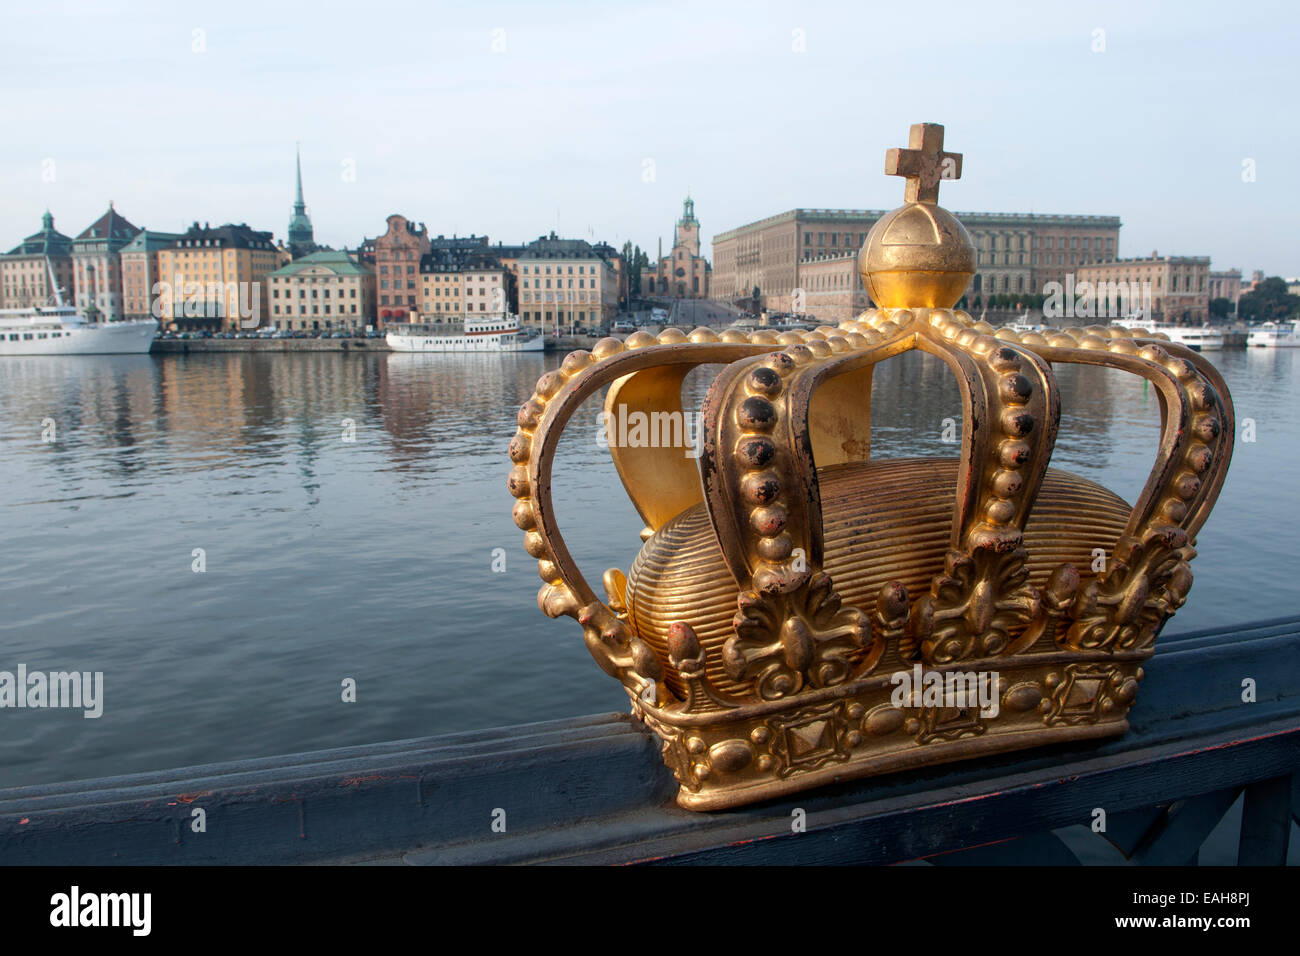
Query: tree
{"points": [[1220, 308], [636, 261], [1269, 302]]}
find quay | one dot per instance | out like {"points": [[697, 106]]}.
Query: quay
{"points": [[565, 343], [594, 790]]}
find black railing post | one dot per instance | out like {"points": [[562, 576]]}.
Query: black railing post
{"points": [[1266, 823]]}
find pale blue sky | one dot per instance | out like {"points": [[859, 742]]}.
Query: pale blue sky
{"points": [[554, 131]]}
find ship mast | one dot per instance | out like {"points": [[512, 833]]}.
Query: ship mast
{"points": [[54, 283]]}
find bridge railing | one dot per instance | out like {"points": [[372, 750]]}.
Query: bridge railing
{"points": [[1217, 722]]}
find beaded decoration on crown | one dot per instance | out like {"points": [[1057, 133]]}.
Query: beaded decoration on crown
{"points": [[789, 586]]}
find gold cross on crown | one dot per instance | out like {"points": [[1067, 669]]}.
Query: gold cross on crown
{"points": [[924, 163]]}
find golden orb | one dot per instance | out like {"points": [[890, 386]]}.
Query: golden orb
{"points": [[918, 256]]}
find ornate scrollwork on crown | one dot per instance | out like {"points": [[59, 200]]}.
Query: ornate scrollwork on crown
{"points": [[635, 370], [1147, 574]]}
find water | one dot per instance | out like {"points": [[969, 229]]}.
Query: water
{"points": [[372, 559]]}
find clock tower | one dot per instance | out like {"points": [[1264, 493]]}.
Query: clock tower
{"points": [[687, 235]]}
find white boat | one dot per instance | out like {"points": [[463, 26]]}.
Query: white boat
{"points": [[1022, 324], [60, 330], [1199, 338], [487, 334], [1274, 335]]}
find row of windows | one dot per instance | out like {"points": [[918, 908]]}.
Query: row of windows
{"points": [[582, 283], [559, 270], [28, 336], [315, 324], [548, 316], [397, 300], [302, 293], [560, 296], [980, 240], [455, 292], [351, 280], [315, 309]]}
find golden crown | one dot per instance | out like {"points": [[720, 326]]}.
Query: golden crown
{"points": [[800, 614]]}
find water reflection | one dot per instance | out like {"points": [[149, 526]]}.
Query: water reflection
{"points": [[371, 558]]}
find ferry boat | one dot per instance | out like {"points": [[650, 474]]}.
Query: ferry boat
{"points": [[486, 334], [60, 330], [1274, 335], [1198, 338]]}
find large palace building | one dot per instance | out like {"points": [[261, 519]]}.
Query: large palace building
{"points": [[803, 259]]}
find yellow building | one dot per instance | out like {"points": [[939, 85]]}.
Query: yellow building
{"points": [[323, 291], [215, 278], [567, 282], [453, 288]]}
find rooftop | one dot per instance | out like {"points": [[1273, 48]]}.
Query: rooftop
{"points": [[48, 242], [339, 263], [865, 216], [233, 235], [111, 225]]}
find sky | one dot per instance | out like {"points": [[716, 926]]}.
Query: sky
{"points": [[594, 119]]}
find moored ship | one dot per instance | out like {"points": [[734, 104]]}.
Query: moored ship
{"points": [[1274, 335], [1199, 338], [487, 334], [60, 330]]}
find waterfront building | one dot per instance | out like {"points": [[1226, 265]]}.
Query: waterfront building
{"points": [[215, 278], [1226, 285], [683, 273], [25, 270], [460, 280], [760, 265], [322, 291], [301, 241], [396, 257], [568, 282], [832, 288], [97, 266], [1179, 285], [140, 271]]}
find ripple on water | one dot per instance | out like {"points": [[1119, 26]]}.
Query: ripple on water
{"points": [[372, 559]]}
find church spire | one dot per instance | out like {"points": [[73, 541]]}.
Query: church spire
{"points": [[299, 207], [301, 240]]}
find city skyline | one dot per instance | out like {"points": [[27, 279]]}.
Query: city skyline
{"points": [[489, 121]]}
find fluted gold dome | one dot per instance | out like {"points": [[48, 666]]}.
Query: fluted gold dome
{"points": [[680, 572]]}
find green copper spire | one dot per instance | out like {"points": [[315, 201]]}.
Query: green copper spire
{"points": [[301, 240], [688, 211]]}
